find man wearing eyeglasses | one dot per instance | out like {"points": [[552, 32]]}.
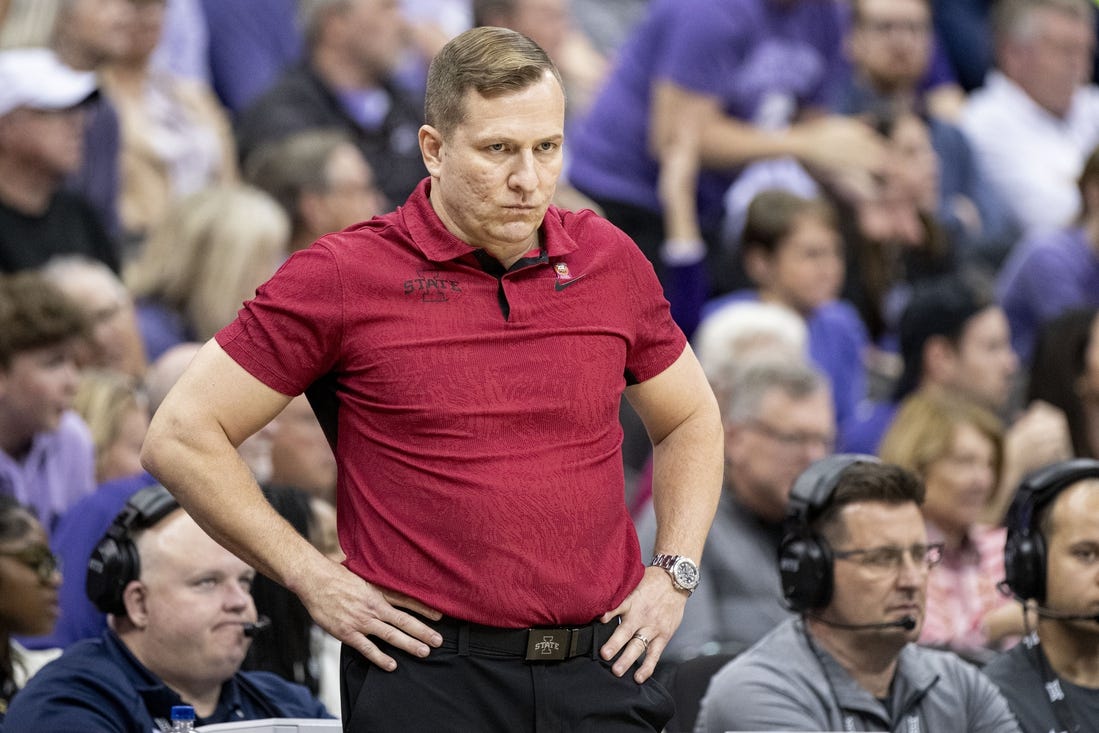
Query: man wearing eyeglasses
{"points": [[856, 566]]}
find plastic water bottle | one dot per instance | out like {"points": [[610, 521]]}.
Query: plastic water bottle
{"points": [[183, 719]]}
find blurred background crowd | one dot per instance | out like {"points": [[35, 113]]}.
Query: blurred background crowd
{"points": [[878, 220]]}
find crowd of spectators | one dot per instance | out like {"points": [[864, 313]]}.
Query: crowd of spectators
{"points": [[908, 190]]}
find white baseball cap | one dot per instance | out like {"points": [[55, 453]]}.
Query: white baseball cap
{"points": [[36, 78]]}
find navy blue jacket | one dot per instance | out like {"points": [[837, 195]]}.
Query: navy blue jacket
{"points": [[97, 684]]}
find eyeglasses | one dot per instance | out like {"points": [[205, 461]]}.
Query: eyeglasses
{"points": [[794, 440], [891, 27], [890, 557], [38, 558]]}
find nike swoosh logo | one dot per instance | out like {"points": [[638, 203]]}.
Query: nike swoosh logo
{"points": [[561, 285]]}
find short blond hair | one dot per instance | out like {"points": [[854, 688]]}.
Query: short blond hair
{"points": [[201, 258], [104, 399], [922, 432], [490, 61]]}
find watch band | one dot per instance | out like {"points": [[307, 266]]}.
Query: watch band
{"points": [[664, 561], [675, 566]]}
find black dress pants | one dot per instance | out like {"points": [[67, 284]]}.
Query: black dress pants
{"points": [[477, 688]]}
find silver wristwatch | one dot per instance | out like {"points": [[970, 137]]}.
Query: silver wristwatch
{"points": [[684, 570]]}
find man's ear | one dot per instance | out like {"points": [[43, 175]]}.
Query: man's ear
{"points": [[431, 148], [135, 598], [757, 265]]}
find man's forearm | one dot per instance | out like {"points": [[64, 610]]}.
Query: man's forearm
{"points": [[687, 468]]}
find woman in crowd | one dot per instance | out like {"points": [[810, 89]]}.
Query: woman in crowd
{"points": [[207, 256], [1065, 373], [29, 580], [176, 137], [793, 254], [956, 447], [895, 239], [117, 413]]}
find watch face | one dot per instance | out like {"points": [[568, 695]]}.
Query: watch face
{"points": [[685, 573]]}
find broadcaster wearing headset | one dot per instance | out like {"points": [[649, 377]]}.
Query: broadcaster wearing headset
{"points": [[179, 608], [1051, 558], [854, 564]]}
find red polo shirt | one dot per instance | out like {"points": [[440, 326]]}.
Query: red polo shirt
{"points": [[476, 411]]}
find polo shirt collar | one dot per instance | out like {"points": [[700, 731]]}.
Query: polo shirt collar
{"points": [[911, 681], [437, 243], [157, 696]]}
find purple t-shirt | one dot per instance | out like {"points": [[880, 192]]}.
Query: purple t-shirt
{"points": [[1044, 277], [58, 470], [763, 60]]}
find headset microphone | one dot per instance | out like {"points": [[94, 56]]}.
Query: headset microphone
{"points": [[908, 623], [1064, 616], [1044, 611], [253, 628]]}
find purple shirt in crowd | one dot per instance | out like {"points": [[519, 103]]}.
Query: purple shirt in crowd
{"points": [[763, 60], [58, 469], [1044, 277]]}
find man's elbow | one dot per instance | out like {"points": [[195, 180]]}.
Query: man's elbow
{"points": [[160, 441]]}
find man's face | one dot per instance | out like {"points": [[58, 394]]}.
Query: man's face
{"points": [[300, 454], [806, 269], [350, 194], [1072, 550], [984, 364], [960, 483], [494, 175], [51, 141], [98, 30], [146, 23], [766, 454], [890, 43], [866, 593], [546, 22], [115, 340], [197, 596], [38, 387], [1054, 61], [375, 33]]}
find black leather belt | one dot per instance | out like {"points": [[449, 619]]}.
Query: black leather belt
{"points": [[533, 645]]}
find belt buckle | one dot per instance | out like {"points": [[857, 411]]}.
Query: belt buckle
{"points": [[547, 645]]}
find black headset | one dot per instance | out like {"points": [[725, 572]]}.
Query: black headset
{"points": [[115, 561], [1025, 548], [804, 557]]}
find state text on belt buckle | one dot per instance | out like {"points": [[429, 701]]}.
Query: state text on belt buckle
{"points": [[549, 645]]}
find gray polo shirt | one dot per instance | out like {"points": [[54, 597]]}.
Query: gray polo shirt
{"points": [[783, 683]]}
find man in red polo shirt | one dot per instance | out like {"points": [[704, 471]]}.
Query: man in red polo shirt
{"points": [[469, 350]]}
